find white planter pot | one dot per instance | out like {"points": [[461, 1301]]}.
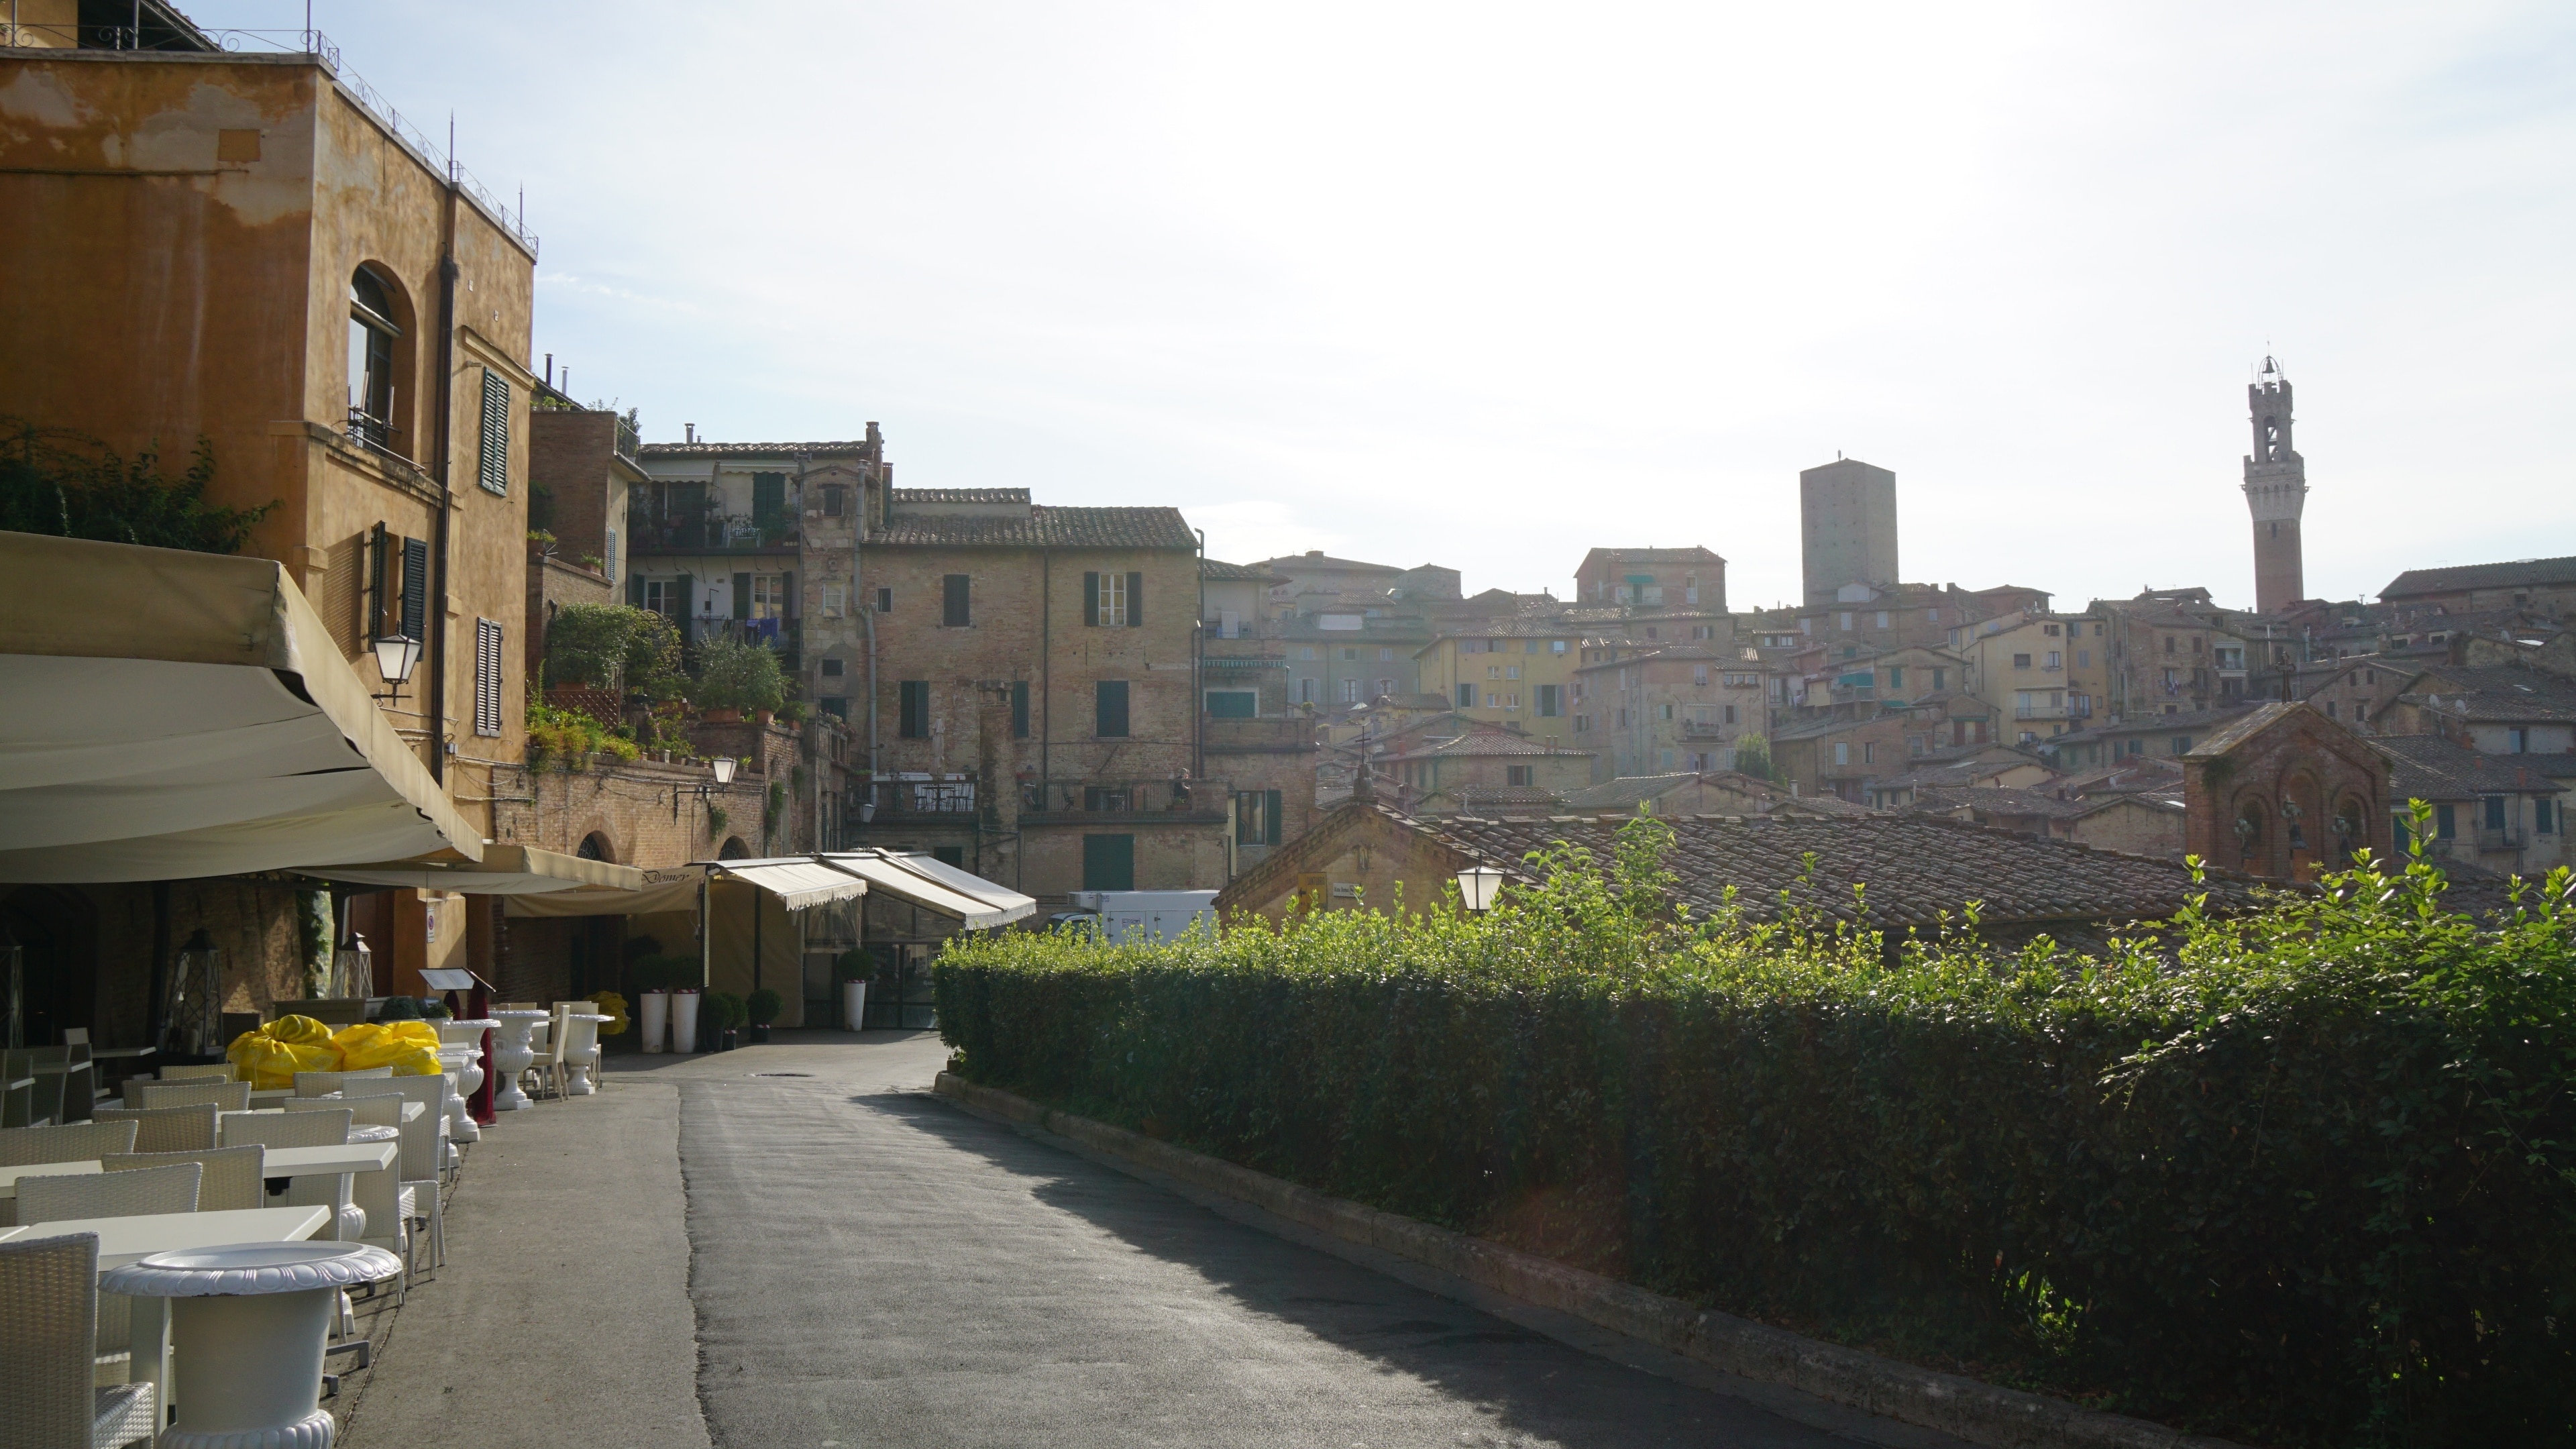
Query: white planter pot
{"points": [[684, 1021], [654, 1012], [854, 1005]]}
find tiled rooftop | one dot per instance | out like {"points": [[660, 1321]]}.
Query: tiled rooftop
{"points": [[1478, 744], [842, 447], [2504, 693], [1915, 867], [2430, 767], [901, 496], [2543, 571], [1045, 527]]}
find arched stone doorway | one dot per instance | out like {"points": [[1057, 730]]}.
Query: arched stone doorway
{"points": [[57, 939], [595, 846], [734, 849]]}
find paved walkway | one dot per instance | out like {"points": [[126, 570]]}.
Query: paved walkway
{"points": [[872, 1266]]}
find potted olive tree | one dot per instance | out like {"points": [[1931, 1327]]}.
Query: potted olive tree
{"points": [[762, 1007], [853, 967]]}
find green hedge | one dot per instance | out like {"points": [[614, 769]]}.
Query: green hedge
{"points": [[2303, 1177]]}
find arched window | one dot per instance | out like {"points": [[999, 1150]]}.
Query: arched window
{"points": [[594, 846], [2249, 829], [373, 332], [734, 849]]}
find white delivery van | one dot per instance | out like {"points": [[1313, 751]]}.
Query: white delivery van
{"points": [[1128, 917]]}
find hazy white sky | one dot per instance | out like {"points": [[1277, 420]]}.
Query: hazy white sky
{"points": [[1489, 286]]}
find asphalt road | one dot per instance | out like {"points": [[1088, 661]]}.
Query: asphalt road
{"points": [[871, 1266]]}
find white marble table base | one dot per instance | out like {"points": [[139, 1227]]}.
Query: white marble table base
{"points": [[511, 1055]]}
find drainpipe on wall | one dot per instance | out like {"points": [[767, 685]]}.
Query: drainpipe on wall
{"points": [[446, 495], [866, 609]]}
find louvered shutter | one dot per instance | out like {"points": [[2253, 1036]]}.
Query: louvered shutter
{"points": [[1270, 802], [494, 474], [1091, 601], [415, 589], [487, 677], [1135, 601]]}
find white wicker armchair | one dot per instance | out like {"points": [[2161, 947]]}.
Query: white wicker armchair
{"points": [[48, 1321]]}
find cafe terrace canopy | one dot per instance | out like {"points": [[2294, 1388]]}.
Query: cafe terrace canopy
{"points": [[504, 870], [935, 885], [166, 715]]}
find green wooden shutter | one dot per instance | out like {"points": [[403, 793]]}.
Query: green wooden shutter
{"points": [[494, 472], [742, 596], [1270, 816], [1019, 709], [1091, 601], [635, 590], [787, 595], [688, 602], [768, 503], [415, 589], [1135, 601]]}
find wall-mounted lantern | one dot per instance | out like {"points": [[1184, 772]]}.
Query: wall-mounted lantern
{"points": [[1476, 886]]}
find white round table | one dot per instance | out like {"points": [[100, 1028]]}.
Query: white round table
{"points": [[511, 1056], [247, 1327]]}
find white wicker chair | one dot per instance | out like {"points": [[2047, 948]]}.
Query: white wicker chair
{"points": [[227, 1096], [49, 1303], [364, 1111], [323, 1084], [168, 1129], [424, 1149], [232, 1179], [78, 1142], [44, 1200], [204, 1072], [327, 1128]]}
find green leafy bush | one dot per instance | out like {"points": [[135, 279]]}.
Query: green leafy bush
{"points": [[720, 1011], [762, 1007], [63, 483], [561, 737], [733, 675], [615, 646], [2304, 1177]]}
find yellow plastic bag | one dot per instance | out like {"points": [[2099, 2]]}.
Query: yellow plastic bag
{"points": [[269, 1064], [297, 1031], [409, 1047]]}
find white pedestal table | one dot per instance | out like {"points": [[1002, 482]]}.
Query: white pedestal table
{"points": [[248, 1322]]}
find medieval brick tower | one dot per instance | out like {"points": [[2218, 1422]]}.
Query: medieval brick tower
{"points": [[2276, 489]]}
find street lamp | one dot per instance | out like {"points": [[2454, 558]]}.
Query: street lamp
{"points": [[1476, 886], [724, 768], [396, 656]]}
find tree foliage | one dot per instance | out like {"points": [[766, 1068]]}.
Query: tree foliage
{"points": [[615, 646], [2305, 1176], [69, 485], [735, 675]]}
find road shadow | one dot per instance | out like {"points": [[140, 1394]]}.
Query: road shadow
{"points": [[1533, 1385]]}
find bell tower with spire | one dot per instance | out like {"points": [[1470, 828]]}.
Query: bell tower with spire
{"points": [[2276, 489]]}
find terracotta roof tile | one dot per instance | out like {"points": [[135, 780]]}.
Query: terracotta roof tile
{"points": [[1914, 867], [1045, 527], [2482, 576]]}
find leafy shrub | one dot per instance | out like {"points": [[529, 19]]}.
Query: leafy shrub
{"points": [[66, 484], [762, 1006], [2306, 1176], [720, 1011], [560, 737], [615, 646], [855, 964], [734, 675]]}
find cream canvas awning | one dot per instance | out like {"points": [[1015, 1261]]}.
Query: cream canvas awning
{"points": [[799, 881], [167, 715], [504, 870], [935, 885], [650, 898]]}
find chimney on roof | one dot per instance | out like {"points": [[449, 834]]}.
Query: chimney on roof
{"points": [[693, 431]]}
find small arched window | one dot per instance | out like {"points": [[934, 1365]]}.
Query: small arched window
{"points": [[594, 846], [372, 331]]}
